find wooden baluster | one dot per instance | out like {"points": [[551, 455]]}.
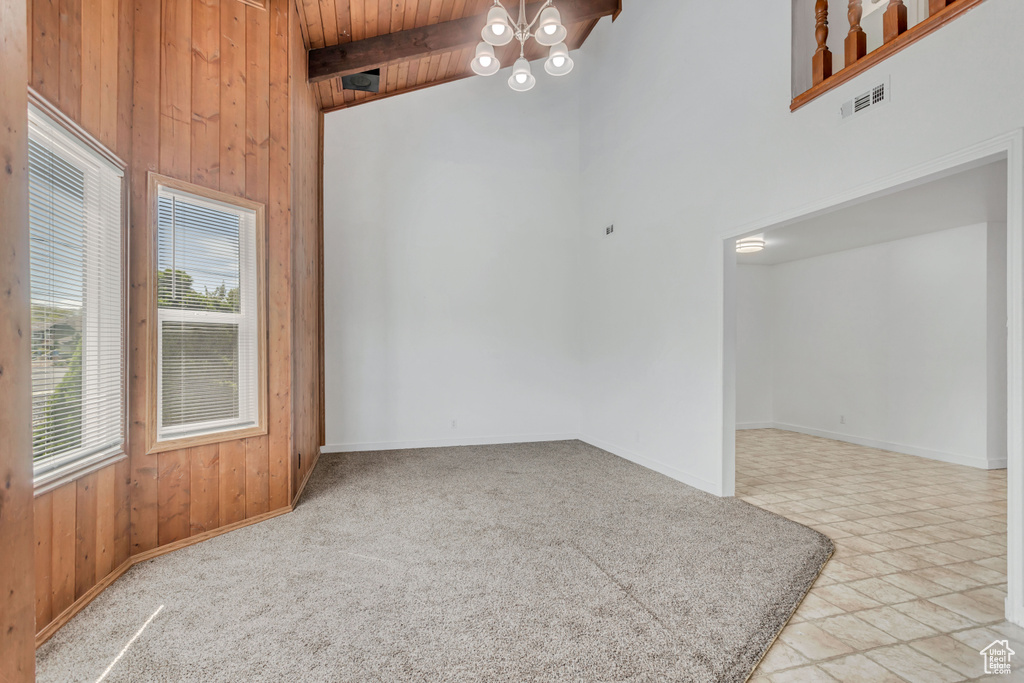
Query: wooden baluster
{"points": [[894, 22], [822, 57], [857, 40], [936, 6]]}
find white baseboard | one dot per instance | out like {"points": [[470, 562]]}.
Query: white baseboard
{"points": [[954, 458], [662, 468], [443, 443], [755, 425]]}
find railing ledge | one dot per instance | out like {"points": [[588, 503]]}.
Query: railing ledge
{"points": [[905, 39]]}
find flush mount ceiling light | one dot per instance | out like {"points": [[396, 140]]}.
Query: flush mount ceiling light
{"points": [[501, 30], [750, 245]]}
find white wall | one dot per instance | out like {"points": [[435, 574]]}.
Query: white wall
{"points": [[754, 313], [887, 345], [686, 140], [681, 142], [451, 267]]}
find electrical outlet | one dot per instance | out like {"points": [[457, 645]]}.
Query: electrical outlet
{"points": [[455, 424], [842, 419], [609, 230]]}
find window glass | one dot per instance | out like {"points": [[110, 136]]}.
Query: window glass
{"points": [[207, 317], [77, 296]]}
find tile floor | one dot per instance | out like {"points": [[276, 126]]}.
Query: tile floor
{"points": [[916, 586]]}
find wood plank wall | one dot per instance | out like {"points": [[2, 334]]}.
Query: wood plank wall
{"points": [[210, 103], [17, 635], [202, 91], [307, 205]]}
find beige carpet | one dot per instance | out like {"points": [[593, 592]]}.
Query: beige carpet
{"points": [[533, 562]]}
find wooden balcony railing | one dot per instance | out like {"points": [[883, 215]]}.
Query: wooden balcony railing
{"points": [[895, 34]]}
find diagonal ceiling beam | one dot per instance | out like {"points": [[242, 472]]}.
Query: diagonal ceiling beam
{"points": [[373, 53]]}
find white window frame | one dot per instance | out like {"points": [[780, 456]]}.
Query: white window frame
{"points": [[65, 468], [250, 320]]}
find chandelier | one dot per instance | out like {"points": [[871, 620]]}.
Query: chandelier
{"points": [[546, 28]]}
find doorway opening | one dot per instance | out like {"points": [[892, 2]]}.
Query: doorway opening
{"points": [[866, 348]]}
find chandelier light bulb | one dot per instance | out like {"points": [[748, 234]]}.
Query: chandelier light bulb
{"points": [[521, 79], [497, 31], [559, 63], [549, 28], [485, 63]]}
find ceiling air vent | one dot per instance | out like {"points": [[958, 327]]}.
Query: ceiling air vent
{"points": [[878, 95], [368, 81]]}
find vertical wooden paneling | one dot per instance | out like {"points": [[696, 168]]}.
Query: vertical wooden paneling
{"points": [[110, 54], [175, 82], [232, 98], [91, 80], [205, 126], [86, 508], [44, 557], [71, 58], [279, 256], [106, 505], [46, 48], [17, 578], [82, 62], [62, 576], [257, 477], [232, 482], [122, 517], [305, 240], [204, 499], [257, 109], [200, 90], [125, 76], [81, 536], [173, 497], [145, 158]]}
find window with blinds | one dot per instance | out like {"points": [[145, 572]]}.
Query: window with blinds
{"points": [[208, 322], [76, 235]]}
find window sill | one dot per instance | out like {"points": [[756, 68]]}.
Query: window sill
{"points": [[205, 439], [912, 35], [54, 479]]}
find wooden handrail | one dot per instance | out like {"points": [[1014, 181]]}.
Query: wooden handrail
{"points": [[941, 12]]}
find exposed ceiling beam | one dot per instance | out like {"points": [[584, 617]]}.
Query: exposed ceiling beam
{"points": [[574, 43], [416, 43]]}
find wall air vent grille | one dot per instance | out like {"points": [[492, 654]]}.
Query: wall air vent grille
{"points": [[872, 98]]}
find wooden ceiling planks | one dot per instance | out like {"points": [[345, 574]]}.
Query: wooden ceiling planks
{"points": [[334, 22]]}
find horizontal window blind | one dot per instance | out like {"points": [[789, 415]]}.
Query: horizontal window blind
{"points": [[77, 296], [206, 301]]}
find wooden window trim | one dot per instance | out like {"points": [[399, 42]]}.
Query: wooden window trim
{"points": [[73, 471], [905, 40], [155, 182]]}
